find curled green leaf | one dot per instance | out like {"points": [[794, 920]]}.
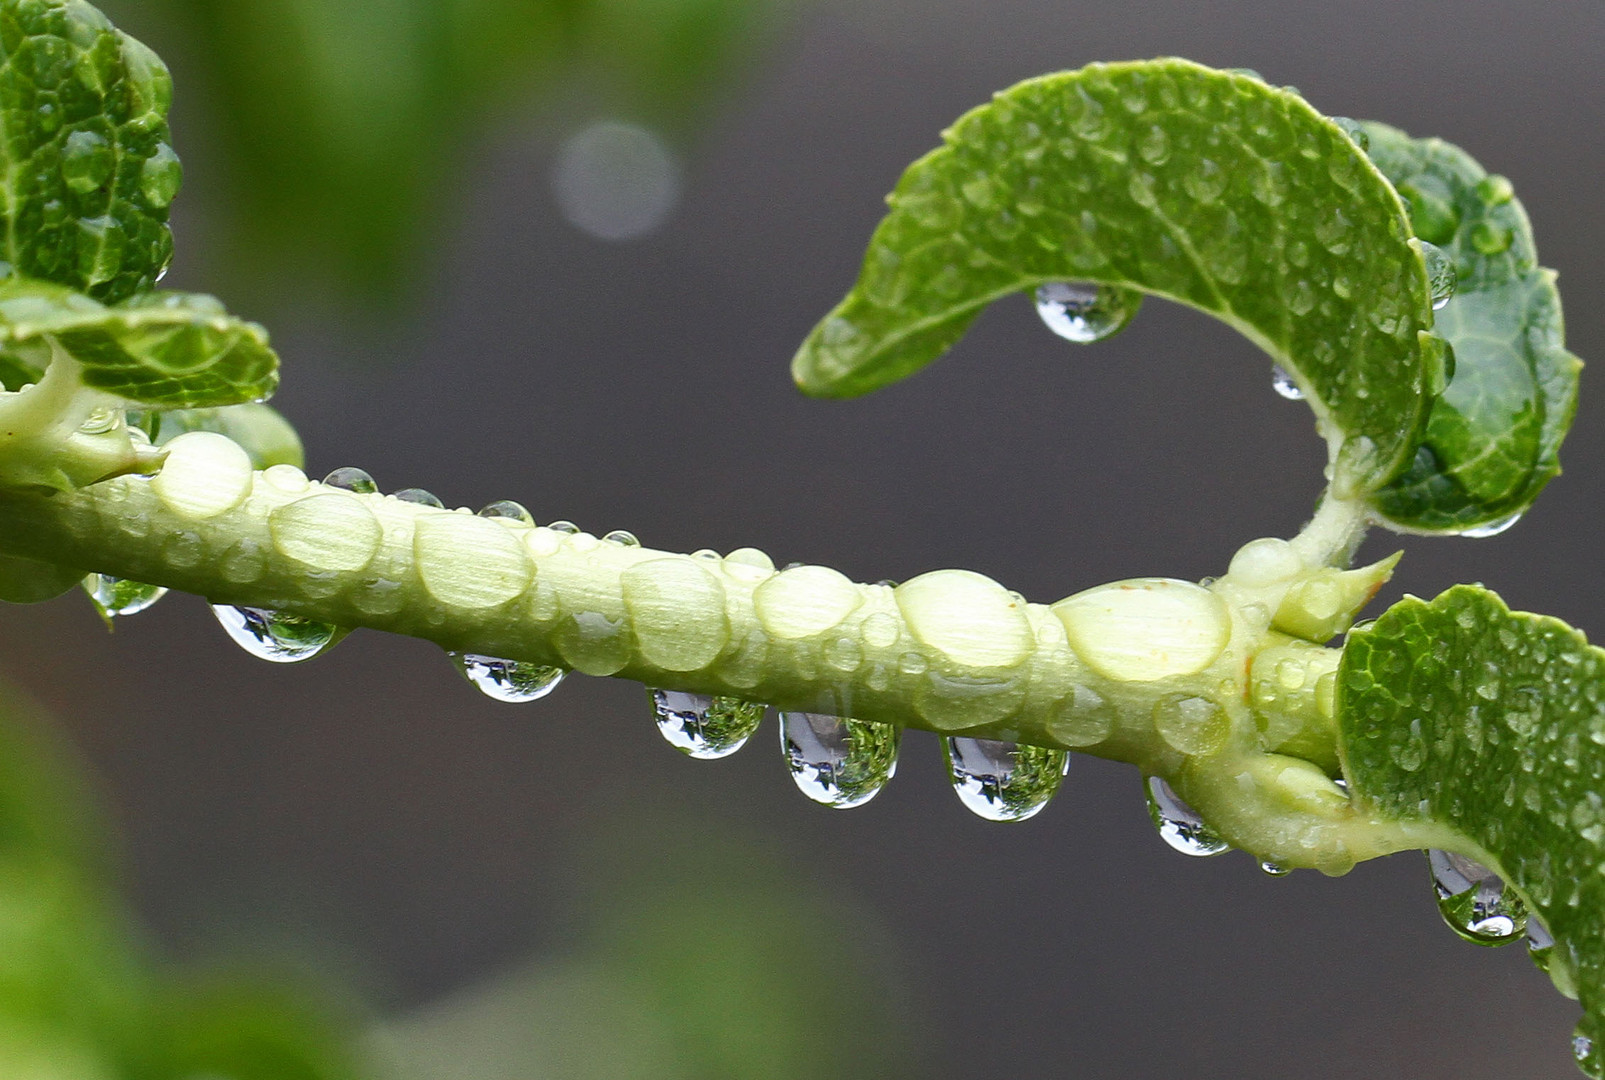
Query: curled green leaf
{"points": [[1206, 187], [88, 173], [164, 349], [1493, 437], [1490, 723]]}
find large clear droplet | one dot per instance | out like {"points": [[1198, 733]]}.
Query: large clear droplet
{"points": [[1492, 528], [421, 497], [1473, 900], [1179, 824], [1003, 781], [1284, 385], [352, 478], [702, 726], [274, 635], [1084, 312], [1441, 275], [1274, 869], [836, 760], [508, 680], [507, 508], [121, 596]]}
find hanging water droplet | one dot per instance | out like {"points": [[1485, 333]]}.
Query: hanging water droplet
{"points": [[1441, 274], [1004, 781], [702, 726], [508, 680], [567, 527], [1179, 824], [507, 508], [1284, 385], [1274, 869], [419, 496], [1354, 130], [274, 635], [352, 478], [1540, 943], [121, 596], [1492, 528], [1084, 312], [1583, 1052], [838, 761], [101, 419], [1491, 239], [622, 538], [1473, 900]]}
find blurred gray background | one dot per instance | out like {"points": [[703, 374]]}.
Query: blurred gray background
{"points": [[372, 811]]}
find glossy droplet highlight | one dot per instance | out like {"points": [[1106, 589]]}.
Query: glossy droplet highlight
{"points": [[1179, 824], [1492, 528], [1441, 274], [326, 532], [507, 680], [677, 609], [567, 528], [1004, 781], [1474, 901], [803, 601], [121, 596], [507, 510], [274, 635], [1146, 628], [420, 497], [702, 726], [351, 478], [470, 562], [1191, 725], [1085, 312], [838, 761], [1284, 385], [621, 538], [968, 618]]}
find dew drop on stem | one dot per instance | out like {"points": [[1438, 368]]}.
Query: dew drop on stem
{"points": [[274, 635], [838, 761], [351, 478], [1474, 901], [420, 497], [115, 596], [1084, 312], [1003, 781], [702, 726], [508, 510], [507, 680], [1178, 824]]}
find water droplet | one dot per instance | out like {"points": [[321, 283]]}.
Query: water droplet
{"points": [[677, 610], [1583, 1050], [967, 618], [1492, 528], [1540, 943], [1473, 900], [508, 510], [1491, 239], [566, 527], [274, 635], [1274, 869], [1179, 824], [622, 538], [351, 478], [1354, 130], [204, 475], [102, 419], [1190, 724], [838, 761], [802, 601], [1154, 147], [419, 496], [1284, 385], [87, 160], [1003, 781], [704, 727], [1146, 629], [161, 176], [498, 570], [1441, 274], [1205, 183], [1083, 312], [508, 680], [121, 596]]}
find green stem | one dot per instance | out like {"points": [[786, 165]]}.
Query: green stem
{"points": [[1157, 673]]}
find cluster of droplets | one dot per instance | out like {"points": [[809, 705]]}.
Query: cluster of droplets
{"points": [[1085, 312]]}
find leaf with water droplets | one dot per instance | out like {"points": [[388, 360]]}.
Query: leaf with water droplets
{"points": [[88, 174], [165, 349], [1493, 438], [1490, 723], [1252, 207]]}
